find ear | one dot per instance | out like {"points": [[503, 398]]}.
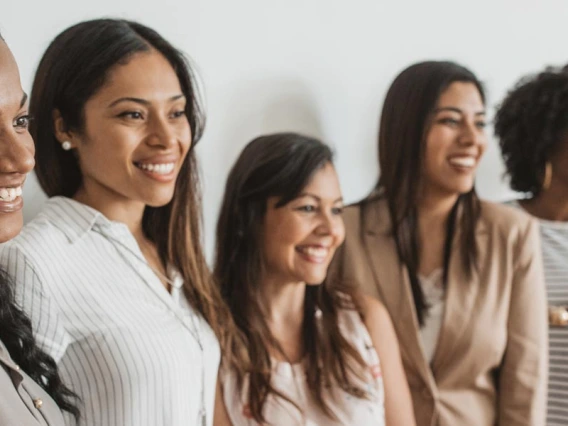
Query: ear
{"points": [[62, 133]]}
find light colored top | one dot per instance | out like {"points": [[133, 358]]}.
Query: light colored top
{"points": [[290, 379], [23, 401], [434, 296], [122, 342], [554, 236]]}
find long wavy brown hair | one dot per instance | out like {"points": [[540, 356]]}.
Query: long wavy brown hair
{"points": [[279, 165], [74, 67], [405, 122]]}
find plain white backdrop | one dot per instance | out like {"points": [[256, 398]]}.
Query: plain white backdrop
{"points": [[320, 67]]}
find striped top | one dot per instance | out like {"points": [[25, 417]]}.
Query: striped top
{"points": [[554, 236], [290, 380], [128, 347]]}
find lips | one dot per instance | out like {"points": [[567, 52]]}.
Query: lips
{"points": [[463, 161], [313, 253]]}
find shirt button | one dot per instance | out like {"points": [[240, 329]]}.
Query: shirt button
{"points": [[17, 368], [38, 403]]}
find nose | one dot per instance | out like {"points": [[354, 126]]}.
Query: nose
{"points": [[161, 132], [331, 225], [471, 134], [16, 151]]}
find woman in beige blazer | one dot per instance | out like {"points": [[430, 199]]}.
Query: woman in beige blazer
{"points": [[29, 383], [461, 278]]}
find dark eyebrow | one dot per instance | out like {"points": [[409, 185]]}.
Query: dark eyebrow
{"points": [[454, 109], [142, 101], [307, 194], [24, 99]]}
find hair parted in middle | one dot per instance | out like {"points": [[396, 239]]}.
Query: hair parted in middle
{"points": [[278, 165], [75, 66], [404, 125]]}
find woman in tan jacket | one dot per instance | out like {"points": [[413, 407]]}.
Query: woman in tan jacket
{"points": [[30, 387], [461, 278]]}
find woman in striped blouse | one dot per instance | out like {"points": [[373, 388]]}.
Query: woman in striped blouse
{"points": [[112, 271], [532, 125]]}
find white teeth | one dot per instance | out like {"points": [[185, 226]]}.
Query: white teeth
{"points": [[463, 161], [314, 251], [10, 194], [161, 169]]}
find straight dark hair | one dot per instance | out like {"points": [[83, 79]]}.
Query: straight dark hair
{"points": [[75, 66], [278, 165], [17, 336], [405, 121]]}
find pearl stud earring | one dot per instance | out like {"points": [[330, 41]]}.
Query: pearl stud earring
{"points": [[66, 145]]}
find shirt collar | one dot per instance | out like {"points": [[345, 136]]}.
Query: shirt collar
{"points": [[71, 217]]}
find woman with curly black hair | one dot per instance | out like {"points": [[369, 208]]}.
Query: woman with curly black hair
{"points": [[30, 387], [532, 126]]}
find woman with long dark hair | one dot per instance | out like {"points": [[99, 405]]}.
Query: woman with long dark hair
{"points": [[320, 353], [112, 271], [532, 126], [461, 278], [30, 387]]}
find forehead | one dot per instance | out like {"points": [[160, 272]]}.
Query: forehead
{"points": [[324, 184], [146, 75], [10, 87], [460, 94]]}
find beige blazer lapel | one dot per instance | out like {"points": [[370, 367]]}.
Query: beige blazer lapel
{"points": [[461, 298], [393, 286]]}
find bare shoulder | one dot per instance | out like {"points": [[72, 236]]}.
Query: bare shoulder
{"points": [[373, 312]]}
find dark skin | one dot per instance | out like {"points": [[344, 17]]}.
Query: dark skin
{"points": [[552, 203]]}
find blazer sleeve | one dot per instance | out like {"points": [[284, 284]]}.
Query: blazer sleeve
{"points": [[33, 297], [524, 371]]}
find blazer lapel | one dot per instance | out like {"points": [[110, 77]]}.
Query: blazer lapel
{"points": [[393, 286], [461, 297]]}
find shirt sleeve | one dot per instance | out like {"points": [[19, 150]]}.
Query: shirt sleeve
{"points": [[524, 372], [33, 296]]}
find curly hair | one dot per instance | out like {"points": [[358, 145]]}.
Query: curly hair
{"points": [[16, 334], [530, 124]]}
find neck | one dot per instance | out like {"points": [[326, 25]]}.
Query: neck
{"points": [[113, 206], [284, 302], [433, 211], [550, 204]]}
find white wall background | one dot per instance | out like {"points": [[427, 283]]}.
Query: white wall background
{"points": [[316, 66]]}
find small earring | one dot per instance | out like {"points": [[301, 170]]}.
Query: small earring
{"points": [[66, 145], [547, 176]]}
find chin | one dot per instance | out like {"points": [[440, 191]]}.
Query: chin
{"points": [[158, 201], [10, 226], [314, 279]]}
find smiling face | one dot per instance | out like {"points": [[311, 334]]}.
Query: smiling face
{"points": [[301, 237], [455, 141], [16, 145], [136, 134]]}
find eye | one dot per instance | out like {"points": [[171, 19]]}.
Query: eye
{"points": [[337, 211], [178, 114], [480, 124], [449, 121], [135, 115], [307, 208], [22, 122]]}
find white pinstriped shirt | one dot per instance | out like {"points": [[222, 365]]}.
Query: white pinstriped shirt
{"points": [[123, 343]]}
